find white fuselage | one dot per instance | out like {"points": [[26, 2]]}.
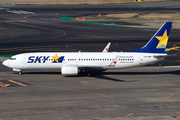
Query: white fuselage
{"points": [[45, 60]]}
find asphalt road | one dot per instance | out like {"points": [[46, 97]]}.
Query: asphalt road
{"points": [[140, 93]]}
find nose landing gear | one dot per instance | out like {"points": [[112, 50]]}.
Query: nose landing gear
{"points": [[18, 70]]}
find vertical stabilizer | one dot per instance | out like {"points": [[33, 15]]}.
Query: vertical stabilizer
{"points": [[158, 43]]}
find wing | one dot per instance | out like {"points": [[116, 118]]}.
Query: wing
{"points": [[84, 67], [91, 67], [72, 69]]}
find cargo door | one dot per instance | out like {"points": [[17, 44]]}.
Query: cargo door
{"points": [[141, 59]]}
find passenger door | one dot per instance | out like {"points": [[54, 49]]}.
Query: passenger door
{"points": [[141, 59], [24, 59]]}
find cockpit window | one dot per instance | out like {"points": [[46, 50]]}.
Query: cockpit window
{"points": [[12, 58]]}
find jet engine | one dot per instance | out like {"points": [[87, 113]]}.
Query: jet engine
{"points": [[69, 70]]}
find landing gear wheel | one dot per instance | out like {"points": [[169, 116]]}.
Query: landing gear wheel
{"points": [[88, 74], [20, 73]]}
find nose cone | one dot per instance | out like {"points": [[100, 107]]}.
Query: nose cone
{"points": [[6, 63]]}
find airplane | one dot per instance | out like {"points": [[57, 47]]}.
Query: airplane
{"points": [[71, 63]]}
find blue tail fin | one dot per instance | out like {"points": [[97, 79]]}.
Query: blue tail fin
{"points": [[157, 44]]}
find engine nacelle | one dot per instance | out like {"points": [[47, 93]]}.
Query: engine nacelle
{"points": [[69, 70]]}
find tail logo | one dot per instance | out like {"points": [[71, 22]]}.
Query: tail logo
{"points": [[162, 40], [158, 43]]}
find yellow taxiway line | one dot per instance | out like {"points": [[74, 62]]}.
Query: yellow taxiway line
{"points": [[172, 95], [18, 83], [126, 116], [76, 91]]}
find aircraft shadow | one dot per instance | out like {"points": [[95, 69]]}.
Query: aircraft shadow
{"points": [[108, 78], [177, 72], [103, 75]]}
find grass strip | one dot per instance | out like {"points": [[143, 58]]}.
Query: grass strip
{"points": [[5, 55]]}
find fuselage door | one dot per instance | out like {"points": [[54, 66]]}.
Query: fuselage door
{"points": [[141, 59], [24, 59]]}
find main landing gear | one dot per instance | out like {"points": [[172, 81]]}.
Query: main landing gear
{"points": [[20, 72], [88, 73], [93, 72]]}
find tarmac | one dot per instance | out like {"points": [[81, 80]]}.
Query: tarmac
{"points": [[149, 92], [133, 94]]}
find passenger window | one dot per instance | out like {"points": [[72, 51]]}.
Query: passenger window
{"points": [[12, 58]]}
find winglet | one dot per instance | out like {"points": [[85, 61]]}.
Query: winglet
{"points": [[106, 48], [114, 62]]}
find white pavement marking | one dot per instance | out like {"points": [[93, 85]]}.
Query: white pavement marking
{"points": [[16, 11], [20, 12]]}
